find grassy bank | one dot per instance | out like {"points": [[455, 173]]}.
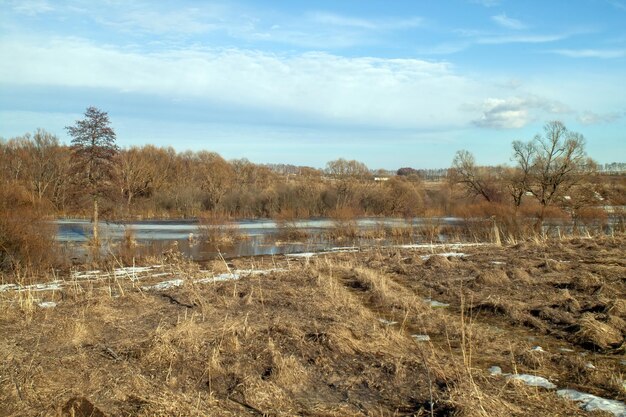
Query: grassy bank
{"points": [[333, 334]]}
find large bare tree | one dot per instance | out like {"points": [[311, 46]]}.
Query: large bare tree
{"points": [[93, 157], [551, 164], [477, 180]]}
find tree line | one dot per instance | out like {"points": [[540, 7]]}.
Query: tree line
{"points": [[156, 181], [151, 181]]}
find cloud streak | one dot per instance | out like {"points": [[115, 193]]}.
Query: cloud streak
{"points": [[508, 22], [591, 53], [314, 86], [591, 118], [333, 19], [516, 112]]}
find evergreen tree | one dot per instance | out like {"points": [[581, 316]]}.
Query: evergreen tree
{"points": [[93, 157]]}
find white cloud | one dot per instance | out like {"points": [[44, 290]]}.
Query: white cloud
{"points": [[591, 118], [31, 7], [591, 53], [516, 112], [497, 40], [398, 93], [508, 22], [368, 24], [486, 3]]}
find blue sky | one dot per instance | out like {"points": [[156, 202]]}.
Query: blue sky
{"points": [[390, 83]]}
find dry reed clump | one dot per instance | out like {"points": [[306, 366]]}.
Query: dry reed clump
{"points": [[218, 229], [617, 323], [565, 301], [514, 311], [597, 335], [617, 307], [586, 281], [438, 262], [550, 265], [556, 316], [521, 276], [492, 277]]}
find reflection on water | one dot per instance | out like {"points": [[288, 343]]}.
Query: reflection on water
{"points": [[251, 237], [262, 237]]}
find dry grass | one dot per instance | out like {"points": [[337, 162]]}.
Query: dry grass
{"points": [[310, 340]]}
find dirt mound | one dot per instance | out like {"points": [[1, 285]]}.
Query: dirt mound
{"points": [[565, 301], [550, 265], [520, 275], [585, 280], [618, 323], [555, 316], [618, 308], [595, 334], [80, 407], [492, 277], [438, 261]]}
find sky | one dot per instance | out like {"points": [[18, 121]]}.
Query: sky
{"points": [[389, 83]]}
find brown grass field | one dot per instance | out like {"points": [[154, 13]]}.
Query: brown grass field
{"points": [[326, 335]]}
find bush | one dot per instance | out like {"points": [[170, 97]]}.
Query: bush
{"points": [[26, 236]]}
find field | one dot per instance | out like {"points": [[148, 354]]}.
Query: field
{"points": [[398, 331]]}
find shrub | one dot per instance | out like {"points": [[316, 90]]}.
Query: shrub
{"points": [[26, 236]]}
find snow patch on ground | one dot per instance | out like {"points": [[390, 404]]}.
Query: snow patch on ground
{"points": [[347, 249], [495, 371], [164, 285], [533, 380], [440, 245], [436, 304], [591, 402], [227, 276], [47, 304], [445, 254]]}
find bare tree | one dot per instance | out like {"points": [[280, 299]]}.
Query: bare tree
{"points": [[93, 157], [551, 164], [215, 177], [477, 180], [518, 178]]}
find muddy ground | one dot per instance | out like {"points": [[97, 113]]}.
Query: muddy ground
{"points": [[334, 334]]}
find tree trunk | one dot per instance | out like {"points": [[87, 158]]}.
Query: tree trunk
{"points": [[95, 221]]}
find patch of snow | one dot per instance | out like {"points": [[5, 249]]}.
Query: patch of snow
{"points": [[160, 274], [498, 263], [421, 337], [436, 304], [440, 245], [164, 285], [533, 380], [301, 255], [132, 270], [537, 349], [387, 322], [7, 287], [445, 254], [590, 365], [344, 249], [227, 276], [49, 286], [495, 370], [86, 274], [591, 402], [566, 350], [47, 304]]}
